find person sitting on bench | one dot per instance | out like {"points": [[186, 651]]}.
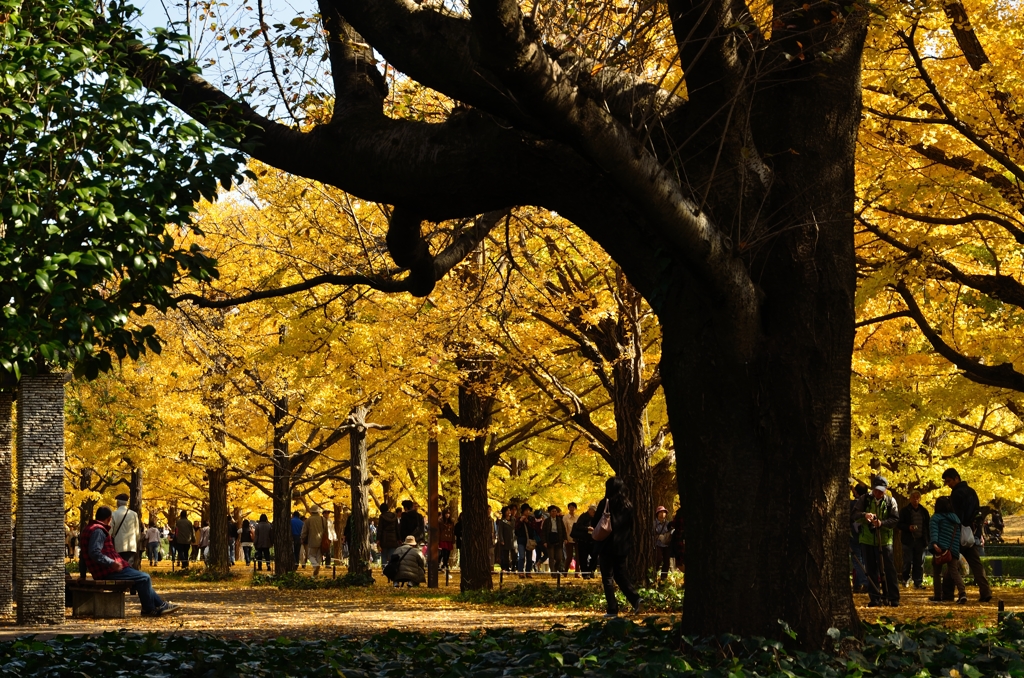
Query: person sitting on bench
{"points": [[103, 562]]}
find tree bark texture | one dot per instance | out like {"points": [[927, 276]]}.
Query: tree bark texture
{"points": [[40, 520], [217, 559], [284, 555], [359, 546], [6, 468], [729, 211], [475, 409]]}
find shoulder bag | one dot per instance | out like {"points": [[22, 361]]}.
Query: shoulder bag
{"points": [[966, 536], [604, 525], [947, 555], [325, 540]]}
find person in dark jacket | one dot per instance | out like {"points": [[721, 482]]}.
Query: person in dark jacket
{"points": [[614, 549], [506, 540], [446, 539], [679, 540], [965, 505], [387, 535], [860, 577], [552, 531], [914, 533], [411, 523], [523, 524], [184, 535], [584, 544], [263, 539], [296, 524]]}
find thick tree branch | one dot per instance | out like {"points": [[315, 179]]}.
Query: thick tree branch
{"points": [[1012, 228], [1002, 376], [542, 86]]}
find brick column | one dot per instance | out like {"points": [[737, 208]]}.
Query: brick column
{"points": [[6, 559], [40, 522]]}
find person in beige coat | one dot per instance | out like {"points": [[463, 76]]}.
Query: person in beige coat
{"points": [[312, 534]]}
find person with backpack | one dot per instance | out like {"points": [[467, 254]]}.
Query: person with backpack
{"points": [[387, 535], [246, 536], [407, 564], [263, 539], [125, 528], [944, 543], [312, 536], [965, 505], [613, 534], [878, 515]]}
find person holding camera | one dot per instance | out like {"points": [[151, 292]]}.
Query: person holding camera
{"points": [[878, 515]]}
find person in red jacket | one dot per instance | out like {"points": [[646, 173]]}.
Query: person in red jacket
{"points": [[103, 562]]}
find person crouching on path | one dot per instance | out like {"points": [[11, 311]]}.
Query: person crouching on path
{"points": [[412, 566], [944, 535], [104, 562], [311, 536]]}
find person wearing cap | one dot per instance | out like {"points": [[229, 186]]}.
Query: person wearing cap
{"points": [[662, 540], [126, 531], [412, 566], [878, 515], [965, 505], [311, 536]]}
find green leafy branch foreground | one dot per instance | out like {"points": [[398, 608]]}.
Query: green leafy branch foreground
{"points": [[618, 647]]}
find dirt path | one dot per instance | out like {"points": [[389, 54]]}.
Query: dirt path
{"points": [[237, 610], [241, 611]]}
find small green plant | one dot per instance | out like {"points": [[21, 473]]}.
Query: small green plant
{"points": [[299, 582]]}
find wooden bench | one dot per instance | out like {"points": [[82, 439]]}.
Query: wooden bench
{"points": [[102, 598]]}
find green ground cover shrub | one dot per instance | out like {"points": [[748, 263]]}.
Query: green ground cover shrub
{"points": [[300, 582], [1013, 567], [619, 648]]}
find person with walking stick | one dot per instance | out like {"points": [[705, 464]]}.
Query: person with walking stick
{"points": [[878, 514]]}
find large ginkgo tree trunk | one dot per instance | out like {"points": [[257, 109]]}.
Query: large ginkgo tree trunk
{"points": [[727, 201]]}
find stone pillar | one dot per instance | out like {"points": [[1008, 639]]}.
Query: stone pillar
{"points": [[6, 554], [40, 522]]}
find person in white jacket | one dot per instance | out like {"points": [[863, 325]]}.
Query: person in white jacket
{"points": [[124, 529]]}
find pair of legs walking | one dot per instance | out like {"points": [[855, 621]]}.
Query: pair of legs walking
{"points": [[973, 558], [952, 578], [613, 571]]}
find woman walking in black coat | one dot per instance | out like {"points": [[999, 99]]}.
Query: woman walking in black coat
{"points": [[613, 551]]}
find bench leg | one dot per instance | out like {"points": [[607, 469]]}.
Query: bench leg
{"points": [[99, 604]]}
